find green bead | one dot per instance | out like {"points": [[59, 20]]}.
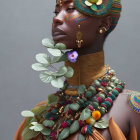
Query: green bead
{"points": [[92, 121], [113, 97], [55, 110], [108, 88], [116, 81], [91, 88], [107, 104], [105, 80], [87, 103], [69, 122], [113, 79], [97, 83], [95, 105], [112, 85], [88, 94], [120, 87], [112, 71], [102, 110], [115, 92], [75, 106], [101, 95]]}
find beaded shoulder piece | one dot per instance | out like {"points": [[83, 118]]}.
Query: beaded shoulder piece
{"points": [[64, 115], [134, 100]]}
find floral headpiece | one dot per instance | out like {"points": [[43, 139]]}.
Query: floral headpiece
{"points": [[100, 8]]}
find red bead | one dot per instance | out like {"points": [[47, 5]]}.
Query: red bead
{"points": [[118, 89], [99, 99], [108, 99]]}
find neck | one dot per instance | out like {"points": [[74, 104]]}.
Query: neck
{"points": [[87, 68]]}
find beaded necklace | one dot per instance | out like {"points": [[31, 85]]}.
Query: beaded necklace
{"points": [[65, 114]]}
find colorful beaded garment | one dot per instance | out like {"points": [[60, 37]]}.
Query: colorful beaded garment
{"points": [[134, 100], [65, 114]]}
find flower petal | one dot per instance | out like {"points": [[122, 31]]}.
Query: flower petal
{"points": [[87, 3], [99, 2], [94, 7]]}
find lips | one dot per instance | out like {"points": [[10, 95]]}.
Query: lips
{"points": [[58, 34]]}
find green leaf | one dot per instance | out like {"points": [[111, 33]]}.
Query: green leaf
{"points": [[60, 46], [38, 67], [36, 126], [62, 70], [54, 52], [27, 113], [46, 78], [64, 134], [55, 59], [38, 110], [48, 123], [28, 134], [52, 98], [81, 89], [43, 58], [64, 57], [81, 137], [70, 72], [48, 43], [46, 131], [66, 107], [86, 113], [58, 83], [101, 124], [74, 127]]}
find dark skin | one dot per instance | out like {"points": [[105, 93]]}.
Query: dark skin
{"points": [[64, 30]]}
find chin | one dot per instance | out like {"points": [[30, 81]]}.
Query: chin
{"points": [[64, 41]]}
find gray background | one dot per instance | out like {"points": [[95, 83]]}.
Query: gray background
{"points": [[23, 24]]}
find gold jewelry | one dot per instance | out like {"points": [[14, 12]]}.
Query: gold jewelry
{"points": [[101, 30], [60, 3], [79, 35]]}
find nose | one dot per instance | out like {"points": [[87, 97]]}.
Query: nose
{"points": [[59, 18]]}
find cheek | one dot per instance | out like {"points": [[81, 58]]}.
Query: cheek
{"points": [[75, 18], [89, 30]]}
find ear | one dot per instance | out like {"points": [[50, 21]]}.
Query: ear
{"points": [[106, 22]]}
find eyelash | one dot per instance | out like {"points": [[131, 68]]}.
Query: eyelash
{"points": [[55, 12]]}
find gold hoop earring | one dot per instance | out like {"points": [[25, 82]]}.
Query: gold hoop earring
{"points": [[79, 35]]}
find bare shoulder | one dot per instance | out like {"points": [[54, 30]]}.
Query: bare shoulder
{"points": [[134, 109]]}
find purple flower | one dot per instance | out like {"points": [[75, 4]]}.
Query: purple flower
{"points": [[72, 56]]}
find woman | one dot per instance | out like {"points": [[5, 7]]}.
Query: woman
{"points": [[83, 25]]}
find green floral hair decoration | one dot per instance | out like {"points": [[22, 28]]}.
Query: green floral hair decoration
{"points": [[100, 8]]}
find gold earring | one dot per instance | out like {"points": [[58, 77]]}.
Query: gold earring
{"points": [[79, 35], [101, 30]]}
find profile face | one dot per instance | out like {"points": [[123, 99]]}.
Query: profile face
{"points": [[65, 25]]}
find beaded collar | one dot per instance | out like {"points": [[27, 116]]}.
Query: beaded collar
{"points": [[65, 114]]}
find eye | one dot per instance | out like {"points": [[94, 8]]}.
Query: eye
{"points": [[70, 9]]}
